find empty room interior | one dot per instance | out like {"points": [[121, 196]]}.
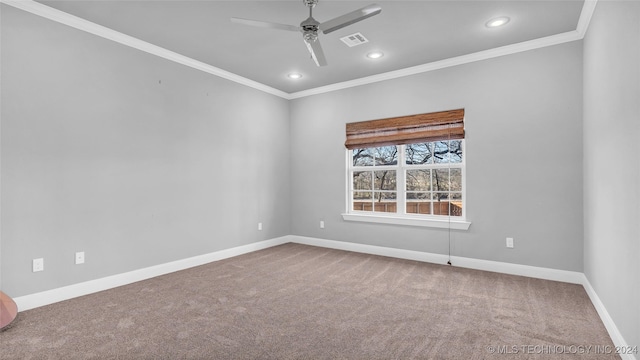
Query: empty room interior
{"points": [[320, 179]]}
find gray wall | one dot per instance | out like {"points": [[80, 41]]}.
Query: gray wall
{"points": [[612, 164], [523, 124], [139, 161], [131, 158]]}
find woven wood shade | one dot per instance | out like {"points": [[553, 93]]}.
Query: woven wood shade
{"points": [[428, 127]]}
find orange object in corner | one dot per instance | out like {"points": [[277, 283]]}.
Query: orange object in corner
{"points": [[8, 310]]}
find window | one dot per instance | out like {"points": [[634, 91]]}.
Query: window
{"points": [[421, 179], [408, 168]]}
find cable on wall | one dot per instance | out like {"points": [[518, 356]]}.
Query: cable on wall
{"points": [[449, 194]]}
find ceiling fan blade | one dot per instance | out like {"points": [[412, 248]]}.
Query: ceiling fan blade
{"points": [[316, 52], [265, 24], [350, 18]]}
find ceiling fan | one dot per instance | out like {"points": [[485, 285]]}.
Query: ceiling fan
{"points": [[310, 26]]}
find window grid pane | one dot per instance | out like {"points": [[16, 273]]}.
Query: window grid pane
{"points": [[385, 180], [418, 203], [418, 180], [362, 200], [385, 201], [387, 155], [421, 153], [362, 180]]}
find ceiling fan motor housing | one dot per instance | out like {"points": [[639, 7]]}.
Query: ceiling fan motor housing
{"points": [[310, 27], [310, 24]]}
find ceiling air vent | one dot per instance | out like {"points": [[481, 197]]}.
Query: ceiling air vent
{"points": [[354, 39]]}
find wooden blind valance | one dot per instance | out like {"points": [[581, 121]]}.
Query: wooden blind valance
{"points": [[406, 129]]}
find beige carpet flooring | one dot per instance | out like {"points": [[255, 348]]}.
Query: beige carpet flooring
{"points": [[302, 302]]}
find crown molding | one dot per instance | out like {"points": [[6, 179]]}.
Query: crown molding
{"points": [[99, 30], [588, 8], [62, 17], [581, 29], [441, 64]]}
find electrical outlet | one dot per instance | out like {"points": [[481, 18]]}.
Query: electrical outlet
{"points": [[510, 243], [260, 226], [38, 265], [321, 224], [80, 257]]}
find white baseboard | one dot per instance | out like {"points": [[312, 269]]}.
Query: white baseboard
{"points": [[572, 277], [372, 249], [614, 333], [64, 293], [477, 264], [68, 292]]}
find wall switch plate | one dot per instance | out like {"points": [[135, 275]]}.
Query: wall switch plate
{"points": [[321, 224], [510, 243], [80, 257], [259, 226], [38, 265]]}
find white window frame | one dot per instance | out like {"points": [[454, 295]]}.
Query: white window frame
{"points": [[401, 217]]}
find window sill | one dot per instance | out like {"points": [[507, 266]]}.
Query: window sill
{"points": [[386, 219]]}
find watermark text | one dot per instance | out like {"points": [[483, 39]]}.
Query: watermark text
{"points": [[562, 349]]}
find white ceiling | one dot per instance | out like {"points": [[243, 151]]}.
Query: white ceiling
{"points": [[410, 33]]}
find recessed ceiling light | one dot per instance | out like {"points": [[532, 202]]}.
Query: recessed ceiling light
{"points": [[499, 21], [375, 54], [294, 76]]}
